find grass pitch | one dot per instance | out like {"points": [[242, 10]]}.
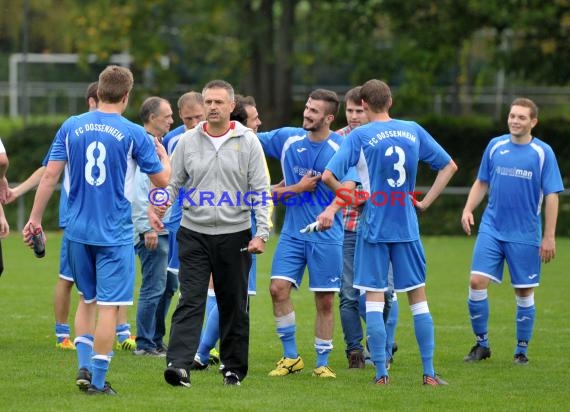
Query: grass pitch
{"points": [[36, 376]]}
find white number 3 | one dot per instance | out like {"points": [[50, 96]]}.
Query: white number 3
{"points": [[93, 162], [398, 166]]}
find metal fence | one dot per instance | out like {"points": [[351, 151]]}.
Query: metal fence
{"points": [[63, 98]]}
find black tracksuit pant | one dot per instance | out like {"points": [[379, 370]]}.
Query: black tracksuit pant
{"points": [[219, 255]]}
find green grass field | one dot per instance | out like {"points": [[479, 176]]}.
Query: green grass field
{"points": [[36, 376]]}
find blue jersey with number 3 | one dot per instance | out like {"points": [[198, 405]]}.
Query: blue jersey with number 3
{"points": [[387, 156], [102, 151]]}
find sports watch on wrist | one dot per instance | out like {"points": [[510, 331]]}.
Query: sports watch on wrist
{"points": [[263, 237]]}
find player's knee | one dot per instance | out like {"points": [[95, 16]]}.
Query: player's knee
{"points": [[325, 302], [478, 282], [278, 291]]}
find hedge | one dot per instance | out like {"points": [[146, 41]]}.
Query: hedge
{"points": [[464, 139]]}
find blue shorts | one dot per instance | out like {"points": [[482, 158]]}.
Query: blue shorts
{"points": [[489, 255], [64, 269], [173, 260], [323, 261], [105, 274], [372, 265], [251, 288]]}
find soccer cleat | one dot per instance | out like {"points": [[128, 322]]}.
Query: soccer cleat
{"points": [[356, 360], [434, 380], [214, 357], [324, 372], [154, 353], [177, 376], [107, 390], [231, 378], [65, 344], [83, 379], [382, 380], [520, 359], [197, 365], [478, 353], [287, 366], [128, 344]]}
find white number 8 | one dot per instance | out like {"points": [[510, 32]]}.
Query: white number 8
{"points": [[92, 162]]}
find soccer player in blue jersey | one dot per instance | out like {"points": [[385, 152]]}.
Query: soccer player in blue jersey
{"points": [[351, 300], [304, 153], [62, 292], [101, 150], [518, 172], [386, 152]]}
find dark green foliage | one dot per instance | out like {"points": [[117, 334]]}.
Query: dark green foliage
{"points": [[464, 138]]}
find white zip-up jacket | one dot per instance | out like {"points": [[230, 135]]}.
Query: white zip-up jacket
{"points": [[213, 185]]}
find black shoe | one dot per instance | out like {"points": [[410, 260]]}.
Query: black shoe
{"points": [[394, 348], [83, 379], [177, 376], [153, 353], [356, 359], [162, 349], [107, 390], [478, 353], [231, 378], [197, 365], [520, 359]]}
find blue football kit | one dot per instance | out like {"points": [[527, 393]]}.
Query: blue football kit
{"points": [[102, 151], [386, 155], [519, 176], [300, 156]]}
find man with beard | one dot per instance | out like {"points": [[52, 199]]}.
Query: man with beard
{"points": [[304, 152]]}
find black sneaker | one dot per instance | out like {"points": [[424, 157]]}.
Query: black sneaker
{"points": [[83, 379], [478, 353], [107, 390], [153, 353], [356, 359], [162, 349], [177, 376], [394, 348], [197, 365], [231, 378], [520, 359]]}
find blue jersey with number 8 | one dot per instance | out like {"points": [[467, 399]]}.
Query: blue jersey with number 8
{"points": [[102, 151]]}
